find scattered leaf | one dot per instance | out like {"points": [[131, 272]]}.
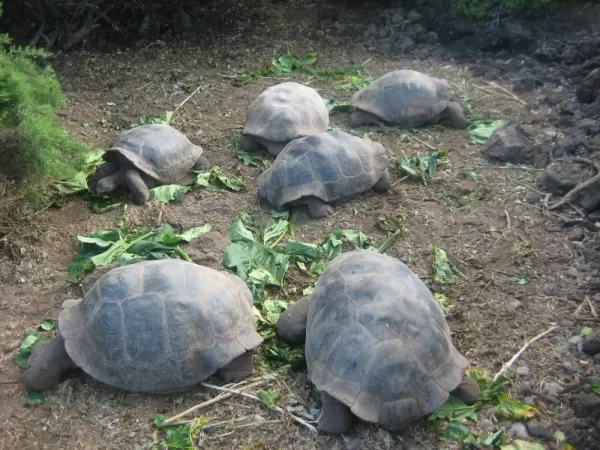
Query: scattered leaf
{"points": [[214, 179], [586, 331], [335, 106], [442, 268], [519, 444], [481, 130], [168, 193], [269, 398], [422, 166], [33, 398], [48, 325]]}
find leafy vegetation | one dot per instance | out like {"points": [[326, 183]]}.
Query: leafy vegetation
{"points": [[451, 420], [260, 257], [125, 246], [422, 166], [481, 130], [36, 146]]}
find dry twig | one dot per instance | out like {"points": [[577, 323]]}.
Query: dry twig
{"points": [[517, 355], [254, 397], [503, 89], [571, 194]]}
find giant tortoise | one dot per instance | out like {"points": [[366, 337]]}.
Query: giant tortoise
{"points": [[324, 168], [145, 157], [281, 113], [377, 345], [409, 99], [152, 327]]}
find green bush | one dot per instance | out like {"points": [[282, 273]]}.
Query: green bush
{"points": [[36, 147]]}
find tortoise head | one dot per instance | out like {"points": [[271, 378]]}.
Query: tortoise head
{"points": [[291, 326]]}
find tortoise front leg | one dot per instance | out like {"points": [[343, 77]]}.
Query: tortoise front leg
{"points": [[136, 184], [317, 208], [47, 365], [238, 369]]}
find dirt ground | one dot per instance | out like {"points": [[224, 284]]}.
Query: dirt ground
{"points": [[476, 222]]}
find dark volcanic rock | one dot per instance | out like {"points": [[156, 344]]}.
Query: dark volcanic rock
{"points": [[560, 177], [508, 144], [589, 89]]}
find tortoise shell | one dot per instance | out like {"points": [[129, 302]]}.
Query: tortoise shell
{"points": [[159, 326], [377, 341]]}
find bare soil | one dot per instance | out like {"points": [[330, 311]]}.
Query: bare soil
{"points": [[476, 222]]}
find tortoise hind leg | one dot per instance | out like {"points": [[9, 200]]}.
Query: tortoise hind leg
{"points": [[136, 184], [317, 208], [335, 417], [238, 369]]}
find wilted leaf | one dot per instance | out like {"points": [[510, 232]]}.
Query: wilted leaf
{"points": [[48, 325], [33, 398], [519, 444], [512, 409], [269, 398], [454, 410], [483, 129], [168, 193], [585, 331], [442, 268]]}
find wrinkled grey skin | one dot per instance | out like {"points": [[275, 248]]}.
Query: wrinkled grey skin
{"points": [[376, 343], [282, 113], [145, 157], [153, 327], [322, 169], [408, 99]]}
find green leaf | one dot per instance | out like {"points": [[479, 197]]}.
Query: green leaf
{"points": [[74, 185], [274, 229], [335, 106], [476, 176], [454, 410], [239, 233], [214, 179], [442, 268], [513, 410], [168, 193], [455, 431], [243, 257], [303, 251], [26, 347], [48, 325], [586, 331], [519, 444], [33, 398], [495, 439], [596, 388], [483, 129], [269, 398], [192, 233]]}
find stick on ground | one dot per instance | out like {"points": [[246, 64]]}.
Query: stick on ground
{"points": [[512, 360], [254, 397], [569, 195]]}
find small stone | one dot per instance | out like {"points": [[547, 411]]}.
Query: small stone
{"points": [[519, 430], [404, 45], [525, 84], [539, 429], [340, 26], [414, 16], [589, 89], [319, 34], [549, 289], [430, 38], [569, 366], [572, 272], [552, 388], [397, 19], [383, 32], [597, 358], [508, 144], [523, 371], [591, 344], [372, 30], [486, 425], [584, 405], [575, 340]]}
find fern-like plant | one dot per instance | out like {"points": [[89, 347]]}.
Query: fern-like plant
{"points": [[34, 146]]}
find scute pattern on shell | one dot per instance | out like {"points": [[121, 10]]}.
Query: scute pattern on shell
{"points": [[158, 150], [404, 97], [287, 111], [378, 342], [159, 325], [329, 166]]}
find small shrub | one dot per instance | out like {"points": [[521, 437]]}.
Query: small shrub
{"points": [[34, 146]]}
